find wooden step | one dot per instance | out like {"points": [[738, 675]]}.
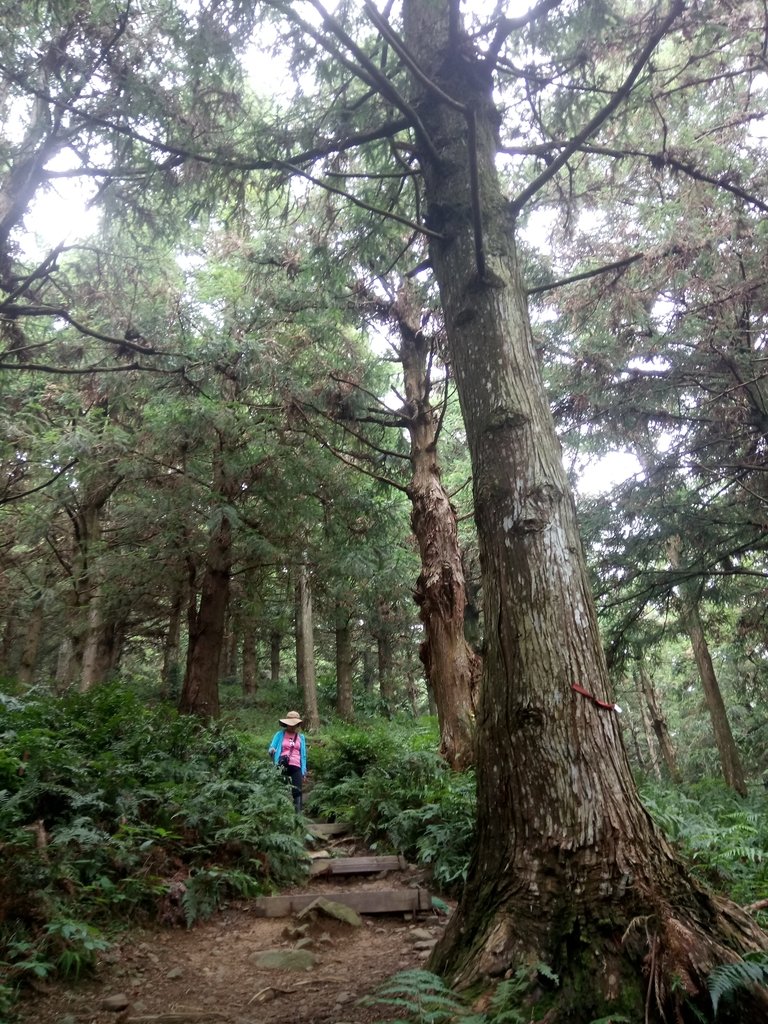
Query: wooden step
{"points": [[356, 865], [321, 830], [370, 901]]}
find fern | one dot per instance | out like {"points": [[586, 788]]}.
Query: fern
{"points": [[422, 996], [727, 979]]}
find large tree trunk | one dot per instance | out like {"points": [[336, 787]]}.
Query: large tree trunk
{"points": [[33, 633], [451, 666], [200, 691], [305, 647], [567, 860]]}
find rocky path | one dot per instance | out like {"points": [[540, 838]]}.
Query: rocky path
{"points": [[227, 970]]}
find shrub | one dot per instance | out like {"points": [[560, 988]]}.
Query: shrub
{"points": [[389, 783]]}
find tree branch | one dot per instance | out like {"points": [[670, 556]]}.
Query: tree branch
{"points": [[40, 487], [585, 275], [421, 228], [602, 115]]}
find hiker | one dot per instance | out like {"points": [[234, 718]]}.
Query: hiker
{"points": [[288, 749]]}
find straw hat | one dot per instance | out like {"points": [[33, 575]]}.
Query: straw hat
{"points": [[293, 718]]}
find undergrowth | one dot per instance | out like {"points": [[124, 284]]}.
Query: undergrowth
{"points": [[388, 781], [722, 836], [421, 997], [112, 811]]}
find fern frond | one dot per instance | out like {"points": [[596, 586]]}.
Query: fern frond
{"points": [[729, 978]]}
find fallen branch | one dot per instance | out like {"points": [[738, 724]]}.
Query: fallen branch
{"points": [[760, 905]]}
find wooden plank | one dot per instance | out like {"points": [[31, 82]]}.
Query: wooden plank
{"points": [[331, 828], [356, 865], [371, 901]]}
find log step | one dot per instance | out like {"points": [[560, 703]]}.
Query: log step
{"points": [[356, 865], [372, 901]]}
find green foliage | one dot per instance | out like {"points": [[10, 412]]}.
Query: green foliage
{"points": [[388, 781], [110, 810], [728, 980], [424, 998], [723, 837]]}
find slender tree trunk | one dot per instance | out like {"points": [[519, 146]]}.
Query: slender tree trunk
{"points": [[29, 653], [172, 646], [200, 691], [658, 721], [730, 762], [567, 860], [651, 743], [733, 773], [100, 644], [305, 647], [8, 642], [275, 645], [250, 661], [344, 707], [63, 673], [385, 660], [369, 671]]}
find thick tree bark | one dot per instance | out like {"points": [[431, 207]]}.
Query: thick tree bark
{"points": [[200, 691], [452, 667], [567, 861], [305, 647]]}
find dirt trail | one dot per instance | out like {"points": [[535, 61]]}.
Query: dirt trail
{"points": [[210, 973]]}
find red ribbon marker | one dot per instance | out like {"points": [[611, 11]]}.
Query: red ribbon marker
{"points": [[596, 700]]}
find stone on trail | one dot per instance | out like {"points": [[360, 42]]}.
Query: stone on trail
{"points": [[332, 909], [286, 959], [117, 1002]]}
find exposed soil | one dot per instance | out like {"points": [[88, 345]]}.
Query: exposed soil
{"points": [[209, 973]]}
